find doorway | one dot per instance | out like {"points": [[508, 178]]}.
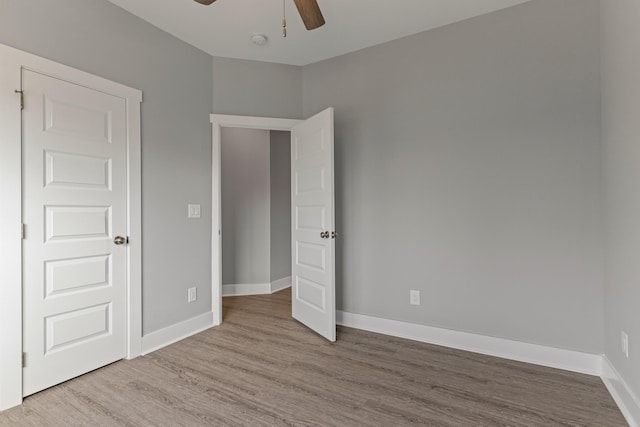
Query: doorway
{"points": [[256, 211], [312, 216]]}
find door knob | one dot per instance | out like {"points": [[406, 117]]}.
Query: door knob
{"points": [[324, 234], [119, 240]]}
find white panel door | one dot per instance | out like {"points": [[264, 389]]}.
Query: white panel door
{"points": [[74, 205], [313, 236]]}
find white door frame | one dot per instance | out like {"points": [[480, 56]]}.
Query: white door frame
{"points": [[219, 121], [12, 62]]}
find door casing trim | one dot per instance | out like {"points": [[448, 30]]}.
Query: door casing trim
{"points": [[12, 62], [219, 121]]}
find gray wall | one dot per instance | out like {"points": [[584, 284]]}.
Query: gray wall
{"points": [[253, 88], [621, 160], [100, 38], [280, 205], [468, 167], [467, 162], [245, 206]]}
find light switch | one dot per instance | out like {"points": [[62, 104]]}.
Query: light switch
{"points": [[194, 211]]}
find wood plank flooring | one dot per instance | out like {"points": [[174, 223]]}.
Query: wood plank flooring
{"points": [[261, 368]]}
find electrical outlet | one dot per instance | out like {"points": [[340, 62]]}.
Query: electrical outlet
{"points": [[624, 341], [192, 295], [414, 297]]}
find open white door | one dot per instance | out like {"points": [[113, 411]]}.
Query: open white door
{"points": [[312, 224]]}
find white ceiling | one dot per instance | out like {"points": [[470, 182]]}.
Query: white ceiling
{"points": [[224, 28]]}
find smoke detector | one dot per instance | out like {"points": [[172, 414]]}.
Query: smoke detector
{"points": [[259, 39]]}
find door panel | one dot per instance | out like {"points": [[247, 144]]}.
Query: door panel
{"points": [[76, 275], [74, 327], [77, 171], [312, 200], [76, 222], [311, 255], [74, 204]]}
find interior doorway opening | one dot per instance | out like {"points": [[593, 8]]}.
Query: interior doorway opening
{"points": [[256, 211], [312, 215]]}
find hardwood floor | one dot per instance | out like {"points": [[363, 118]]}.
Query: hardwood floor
{"points": [[261, 368]]}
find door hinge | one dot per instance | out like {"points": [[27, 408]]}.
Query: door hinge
{"points": [[21, 98], [24, 359], [22, 233]]}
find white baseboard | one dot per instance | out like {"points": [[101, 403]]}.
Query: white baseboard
{"points": [[246, 289], [234, 290], [575, 361], [174, 333], [624, 397], [280, 284]]}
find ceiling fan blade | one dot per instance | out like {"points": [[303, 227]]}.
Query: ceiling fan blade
{"points": [[310, 13], [205, 2]]}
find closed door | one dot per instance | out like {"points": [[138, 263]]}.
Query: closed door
{"points": [[74, 208], [312, 217]]}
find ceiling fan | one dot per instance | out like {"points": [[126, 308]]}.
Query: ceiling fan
{"points": [[308, 9]]}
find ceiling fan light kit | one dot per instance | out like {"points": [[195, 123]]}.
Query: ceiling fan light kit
{"points": [[308, 9]]}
